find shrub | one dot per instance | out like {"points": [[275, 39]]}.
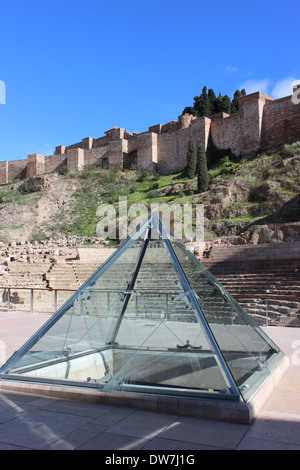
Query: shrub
{"points": [[64, 170], [142, 176], [288, 151], [31, 185], [133, 188], [153, 194]]}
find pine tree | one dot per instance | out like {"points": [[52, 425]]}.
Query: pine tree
{"points": [[218, 104], [207, 104], [212, 99], [202, 173], [226, 104], [202, 103], [189, 110], [235, 101], [191, 158]]}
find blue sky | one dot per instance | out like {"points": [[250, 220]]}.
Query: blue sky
{"points": [[75, 68]]}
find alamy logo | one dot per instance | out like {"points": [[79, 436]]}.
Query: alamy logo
{"points": [[2, 92], [188, 219], [296, 92]]}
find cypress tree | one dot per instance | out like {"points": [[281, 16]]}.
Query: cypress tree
{"points": [[191, 158], [202, 174]]}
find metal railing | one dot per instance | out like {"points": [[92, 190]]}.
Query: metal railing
{"points": [[267, 297], [9, 289]]}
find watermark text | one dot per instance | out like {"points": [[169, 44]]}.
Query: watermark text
{"points": [[187, 220], [296, 92]]}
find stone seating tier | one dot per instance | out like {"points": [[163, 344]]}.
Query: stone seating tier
{"points": [[242, 270]]}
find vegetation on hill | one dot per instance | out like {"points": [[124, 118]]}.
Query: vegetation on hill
{"points": [[239, 193]]}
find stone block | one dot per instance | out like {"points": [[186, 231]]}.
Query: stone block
{"points": [[87, 143], [75, 159], [61, 149], [35, 165]]}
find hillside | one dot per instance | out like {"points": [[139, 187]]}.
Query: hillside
{"points": [[256, 199]]}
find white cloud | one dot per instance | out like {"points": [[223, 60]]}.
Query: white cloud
{"points": [[283, 88], [252, 86], [280, 89], [230, 69]]}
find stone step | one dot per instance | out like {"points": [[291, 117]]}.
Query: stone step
{"points": [[258, 280], [271, 311], [262, 288], [252, 277], [283, 281], [284, 250], [253, 266]]}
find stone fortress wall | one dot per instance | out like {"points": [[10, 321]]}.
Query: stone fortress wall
{"points": [[261, 123]]}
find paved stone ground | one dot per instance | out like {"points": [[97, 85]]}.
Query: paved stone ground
{"points": [[32, 422]]}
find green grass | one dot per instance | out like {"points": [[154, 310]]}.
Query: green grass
{"points": [[236, 220], [11, 227], [97, 186]]}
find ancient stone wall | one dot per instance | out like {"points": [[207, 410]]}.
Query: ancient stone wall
{"points": [[227, 132], [172, 146], [261, 123], [96, 156], [54, 163], [75, 159], [16, 169], [35, 165], [115, 153], [168, 153], [280, 123]]}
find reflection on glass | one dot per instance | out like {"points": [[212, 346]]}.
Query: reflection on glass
{"points": [[248, 352], [152, 319]]}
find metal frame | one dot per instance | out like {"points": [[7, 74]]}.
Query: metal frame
{"points": [[34, 339], [153, 222], [189, 293], [130, 288]]}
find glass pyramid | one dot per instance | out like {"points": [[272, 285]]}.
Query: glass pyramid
{"points": [[151, 320]]}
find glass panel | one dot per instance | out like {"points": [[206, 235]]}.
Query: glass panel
{"points": [[151, 319], [84, 325], [244, 346], [160, 345]]}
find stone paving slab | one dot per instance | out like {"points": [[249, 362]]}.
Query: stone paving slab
{"points": [[33, 422]]}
